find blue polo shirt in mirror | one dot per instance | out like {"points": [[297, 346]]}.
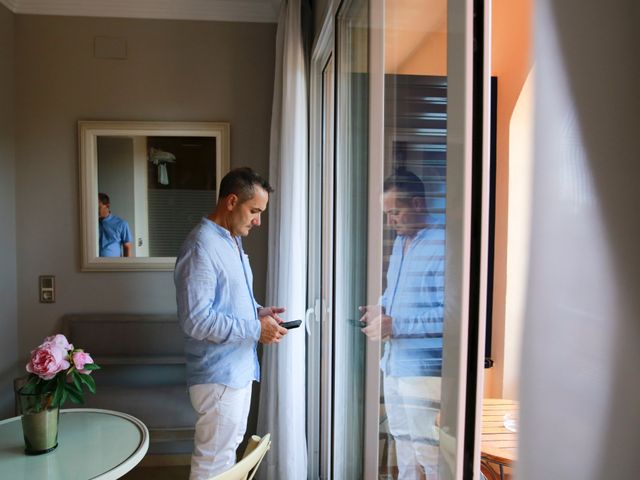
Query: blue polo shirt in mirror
{"points": [[414, 299], [216, 308], [113, 232]]}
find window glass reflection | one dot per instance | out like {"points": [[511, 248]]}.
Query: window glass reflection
{"points": [[410, 317], [409, 321], [159, 188]]}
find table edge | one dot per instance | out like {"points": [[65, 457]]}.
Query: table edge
{"points": [[130, 462], [135, 457]]}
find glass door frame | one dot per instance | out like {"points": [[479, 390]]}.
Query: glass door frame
{"points": [[374, 227], [319, 381], [350, 235]]}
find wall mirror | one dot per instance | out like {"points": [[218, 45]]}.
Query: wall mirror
{"points": [[160, 178]]}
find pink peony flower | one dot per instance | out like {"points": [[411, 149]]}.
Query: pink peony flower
{"points": [[59, 340], [48, 359], [80, 359], [50, 369]]}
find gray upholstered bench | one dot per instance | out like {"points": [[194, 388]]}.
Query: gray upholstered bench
{"points": [[143, 374]]}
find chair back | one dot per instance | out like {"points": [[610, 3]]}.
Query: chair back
{"points": [[246, 468]]}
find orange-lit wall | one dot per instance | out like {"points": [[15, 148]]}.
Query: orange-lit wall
{"points": [[416, 37], [511, 62]]}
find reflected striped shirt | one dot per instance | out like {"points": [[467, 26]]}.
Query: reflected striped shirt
{"points": [[414, 299]]}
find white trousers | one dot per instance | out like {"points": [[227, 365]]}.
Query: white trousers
{"points": [[222, 420], [413, 405]]}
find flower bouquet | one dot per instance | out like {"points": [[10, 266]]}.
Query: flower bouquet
{"points": [[57, 371], [59, 368]]}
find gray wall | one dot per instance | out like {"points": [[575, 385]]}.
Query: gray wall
{"points": [[115, 177], [175, 70], [8, 292]]}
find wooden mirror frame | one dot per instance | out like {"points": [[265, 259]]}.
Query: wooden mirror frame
{"points": [[88, 132]]}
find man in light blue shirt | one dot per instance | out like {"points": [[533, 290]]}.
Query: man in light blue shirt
{"points": [[114, 234], [222, 321], [410, 321]]}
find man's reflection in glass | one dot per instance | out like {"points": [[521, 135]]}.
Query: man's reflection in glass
{"points": [[409, 320], [113, 232]]}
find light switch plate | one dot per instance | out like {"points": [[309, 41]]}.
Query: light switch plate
{"points": [[47, 288]]}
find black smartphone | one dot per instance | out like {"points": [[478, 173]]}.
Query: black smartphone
{"points": [[291, 324]]}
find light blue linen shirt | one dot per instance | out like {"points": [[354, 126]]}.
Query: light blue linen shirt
{"points": [[414, 298], [216, 308]]}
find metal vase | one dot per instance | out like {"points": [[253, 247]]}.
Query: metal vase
{"points": [[39, 422]]}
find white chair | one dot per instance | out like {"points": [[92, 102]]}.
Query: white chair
{"points": [[246, 468]]}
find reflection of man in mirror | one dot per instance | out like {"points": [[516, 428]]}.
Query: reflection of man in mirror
{"points": [[410, 319], [222, 321], [114, 233]]}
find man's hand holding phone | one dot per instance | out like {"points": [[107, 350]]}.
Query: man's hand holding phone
{"points": [[376, 324], [271, 330]]}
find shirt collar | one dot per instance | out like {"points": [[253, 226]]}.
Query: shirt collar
{"points": [[221, 231], [431, 221]]}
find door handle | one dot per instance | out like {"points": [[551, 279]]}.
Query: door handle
{"points": [[307, 319]]}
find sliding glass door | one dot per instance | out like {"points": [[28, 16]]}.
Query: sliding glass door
{"points": [[396, 263], [430, 180]]}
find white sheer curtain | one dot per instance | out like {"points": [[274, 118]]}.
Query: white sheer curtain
{"points": [[282, 387], [580, 385]]}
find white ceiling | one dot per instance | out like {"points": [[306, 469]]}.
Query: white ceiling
{"points": [[222, 10]]}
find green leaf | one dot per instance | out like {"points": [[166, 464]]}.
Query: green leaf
{"points": [[45, 386], [74, 396], [71, 387], [76, 381], [58, 395], [30, 386], [89, 382], [91, 366]]}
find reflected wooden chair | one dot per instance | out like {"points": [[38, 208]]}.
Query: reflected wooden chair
{"points": [[247, 467]]}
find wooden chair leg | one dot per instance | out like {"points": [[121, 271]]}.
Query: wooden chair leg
{"points": [[488, 470]]}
